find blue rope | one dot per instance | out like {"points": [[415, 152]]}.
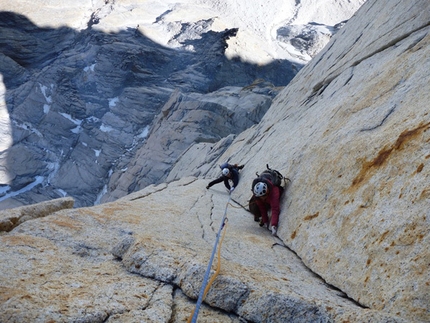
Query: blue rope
{"points": [[208, 270]]}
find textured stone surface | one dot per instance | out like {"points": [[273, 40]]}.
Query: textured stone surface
{"points": [[354, 139], [135, 260], [11, 218]]}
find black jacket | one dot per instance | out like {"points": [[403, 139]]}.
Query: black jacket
{"points": [[234, 177]]}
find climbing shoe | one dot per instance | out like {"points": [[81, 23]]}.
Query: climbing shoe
{"points": [[274, 230], [261, 223]]}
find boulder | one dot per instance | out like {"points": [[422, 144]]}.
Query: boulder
{"points": [[10, 219]]}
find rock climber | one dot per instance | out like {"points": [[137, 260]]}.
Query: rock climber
{"points": [[267, 192], [229, 173]]}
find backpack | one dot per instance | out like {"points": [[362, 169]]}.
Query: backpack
{"points": [[225, 165], [274, 176]]}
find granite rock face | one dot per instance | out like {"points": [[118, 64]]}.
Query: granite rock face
{"points": [[355, 144], [143, 258], [351, 131]]}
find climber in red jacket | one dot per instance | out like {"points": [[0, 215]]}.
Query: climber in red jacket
{"points": [[267, 197]]}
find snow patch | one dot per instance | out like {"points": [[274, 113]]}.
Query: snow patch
{"points": [[38, 180], [69, 117], [43, 89], [106, 128], [92, 119], [53, 169], [4, 189], [62, 192], [78, 129], [6, 139], [27, 126], [113, 101], [100, 195], [144, 133], [89, 68], [77, 122]]}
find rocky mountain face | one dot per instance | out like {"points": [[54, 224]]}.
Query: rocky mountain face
{"points": [[351, 132], [101, 97]]}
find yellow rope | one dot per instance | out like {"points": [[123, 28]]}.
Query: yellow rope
{"points": [[235, 206], [218, 268]]}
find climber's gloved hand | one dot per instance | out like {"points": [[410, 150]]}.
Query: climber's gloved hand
{"points": [[231, 189], [207, 187]]}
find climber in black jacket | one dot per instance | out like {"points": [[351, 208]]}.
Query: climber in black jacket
{"points": [[229, 173]]}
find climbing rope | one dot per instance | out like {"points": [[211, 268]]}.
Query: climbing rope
{"points": [[206, 285], [240, 205]]}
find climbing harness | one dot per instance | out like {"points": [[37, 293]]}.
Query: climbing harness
{"points": [[206, 285]]}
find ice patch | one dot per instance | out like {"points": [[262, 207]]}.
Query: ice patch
{"points": [[97, 152]]}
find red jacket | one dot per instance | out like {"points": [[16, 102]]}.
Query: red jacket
{"points": [[270, 201]]}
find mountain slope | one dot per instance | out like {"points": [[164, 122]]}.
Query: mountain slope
{"points": [[351, 131], [84, 82]]}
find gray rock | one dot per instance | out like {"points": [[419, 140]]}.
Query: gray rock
{"points": [[10, 219], [183, 121], [351, 131], [82, 93]]}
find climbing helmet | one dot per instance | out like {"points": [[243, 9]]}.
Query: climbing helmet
{"points": [[225, 171], [260, 189]]}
